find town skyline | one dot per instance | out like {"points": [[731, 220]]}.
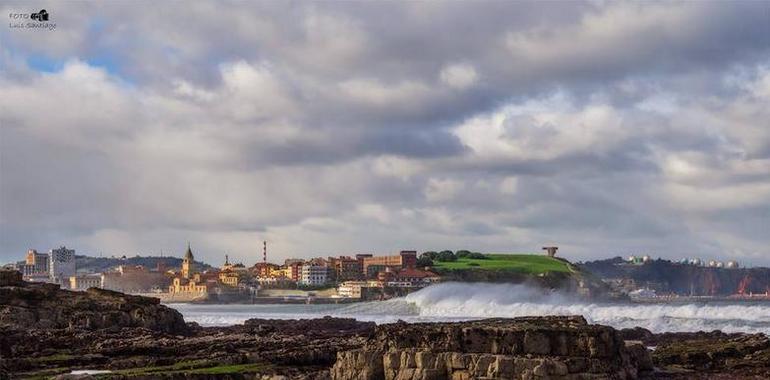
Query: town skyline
{"points": [[215, 259], [602, 127]]}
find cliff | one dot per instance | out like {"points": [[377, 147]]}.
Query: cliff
{"points": [[684, 279], [521, 348]]}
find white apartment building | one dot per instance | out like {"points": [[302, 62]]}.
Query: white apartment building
{"points": [[314, 275]]}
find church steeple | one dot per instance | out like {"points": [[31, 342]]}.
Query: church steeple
{"points": [[188, 262]]}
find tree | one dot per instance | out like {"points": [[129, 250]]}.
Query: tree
{"points": [[446, 256], [429, 254], [424, 261], [463, 253]]}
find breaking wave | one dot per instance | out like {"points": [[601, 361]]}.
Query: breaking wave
{"points": [[463, 301]]}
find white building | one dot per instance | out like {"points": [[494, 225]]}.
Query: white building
{"points": [[314, 275], [62, 264], [352, 289]]}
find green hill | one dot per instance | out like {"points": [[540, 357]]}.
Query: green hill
{"points": [[524, 263]]}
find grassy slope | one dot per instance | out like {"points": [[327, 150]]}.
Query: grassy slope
{"points": [[530, 264]]}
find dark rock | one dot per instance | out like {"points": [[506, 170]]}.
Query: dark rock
{"points": [[542, 347], [45, 306], [10, 278], [716, 353]]}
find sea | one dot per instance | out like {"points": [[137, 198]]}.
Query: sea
{"points": [[468, 301]]}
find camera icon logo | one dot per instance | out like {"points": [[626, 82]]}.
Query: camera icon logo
{"points": [[39, 16]]}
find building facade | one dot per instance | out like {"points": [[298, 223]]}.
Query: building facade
{"points": [[187, 287], [85, 281], [36, 263], [61, 264], [405, 259], [345, 268], [314, 275]]}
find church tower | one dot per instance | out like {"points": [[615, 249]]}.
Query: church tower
{"points": [[188, 263]]}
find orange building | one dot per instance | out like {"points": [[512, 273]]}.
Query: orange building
{"points": [[405, 259]]}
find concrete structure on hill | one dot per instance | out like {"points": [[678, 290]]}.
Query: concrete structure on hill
{"points": [[551, 251]]}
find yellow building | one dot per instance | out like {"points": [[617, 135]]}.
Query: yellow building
{"points": [[228, 278], [276, 272], [187, 287], [85, 281]]}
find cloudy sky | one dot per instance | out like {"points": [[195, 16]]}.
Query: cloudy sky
{"points": [[336, 127]]}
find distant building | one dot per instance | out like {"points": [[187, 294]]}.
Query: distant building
{"points": [[36, 263], [405, 259], [229, 278], [61, 264], [551, 251], [345, 268], [263, 269], [293, 271], [187, 287], [354, 289], [228, 275], [314, 275], [85, 281], [188, 263], [408, 277], [134, 279], [639, 259]]}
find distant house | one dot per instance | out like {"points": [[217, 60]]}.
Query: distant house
{"points": [[408, 277]]}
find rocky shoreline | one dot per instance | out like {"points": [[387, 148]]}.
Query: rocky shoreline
{"points": [[46, 332]]}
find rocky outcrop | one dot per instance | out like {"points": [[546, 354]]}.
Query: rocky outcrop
{"points": [[38, 305], [10, 278], [521, 348], [743, 356], [252, 350]]}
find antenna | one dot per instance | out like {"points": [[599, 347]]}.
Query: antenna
{"points": [[264, 251]]}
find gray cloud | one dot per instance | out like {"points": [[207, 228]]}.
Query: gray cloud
{"points": [[339, 127]]}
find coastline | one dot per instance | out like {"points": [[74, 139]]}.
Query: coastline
{"points": [[46, 332]]}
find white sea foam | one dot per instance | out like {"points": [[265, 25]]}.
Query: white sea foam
{"points": [[456, 301]]}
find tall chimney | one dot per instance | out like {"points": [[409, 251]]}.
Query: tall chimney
{"points": [[264, 251]]}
